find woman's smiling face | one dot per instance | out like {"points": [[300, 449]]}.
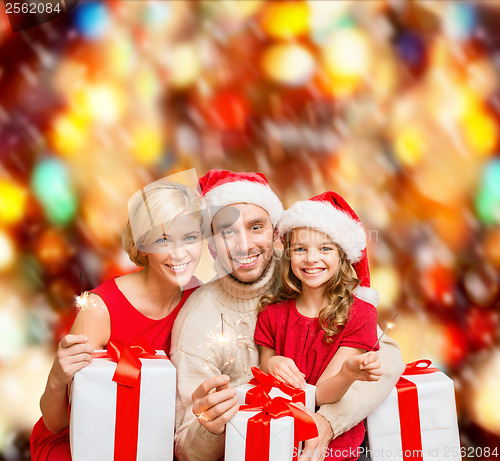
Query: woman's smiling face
{"points": [[176, 254]]}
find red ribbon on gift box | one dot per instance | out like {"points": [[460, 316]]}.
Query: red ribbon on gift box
{"points": [[128, 378], [264, 382], [259, 426], [409, 415]]}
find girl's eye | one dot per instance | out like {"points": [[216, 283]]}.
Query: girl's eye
{"points": [[299, 249], [326, 249]]}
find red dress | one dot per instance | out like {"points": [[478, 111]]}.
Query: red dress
{"points": [[282, 328], [127, 326]]}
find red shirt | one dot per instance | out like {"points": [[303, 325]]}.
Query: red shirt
{"points": [[128, 324], [282, 328]]}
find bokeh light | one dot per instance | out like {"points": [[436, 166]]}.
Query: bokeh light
{"points": [[395, 105]]}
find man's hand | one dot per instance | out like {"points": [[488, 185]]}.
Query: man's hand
{"points": [[316, 447], [214, 403]]}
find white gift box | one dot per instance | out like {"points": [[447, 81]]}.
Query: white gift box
{"points": [[281, 437], [438, 422], [93, 411], [310, 391]]}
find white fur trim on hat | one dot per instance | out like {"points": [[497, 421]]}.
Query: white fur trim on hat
{"points": [[246, 192], [367, 294], [323, 216]]}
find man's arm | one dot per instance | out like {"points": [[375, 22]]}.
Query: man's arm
{"points": [[193, 442], [363, 397], [197, 440]]}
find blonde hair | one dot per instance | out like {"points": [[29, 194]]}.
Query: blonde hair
{"points": [[159, 202], [338, 291]]}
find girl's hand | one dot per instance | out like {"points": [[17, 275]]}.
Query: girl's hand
{"points": [[74, 352], [363, 367], [285, 370]]}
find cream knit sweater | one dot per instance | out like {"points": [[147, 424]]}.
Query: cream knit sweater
{"points": [[197, 357]]}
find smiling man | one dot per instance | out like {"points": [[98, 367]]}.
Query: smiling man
{"points": [[212, 340]]}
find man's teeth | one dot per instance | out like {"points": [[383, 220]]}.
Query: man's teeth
{"points": [[312, 271], [179, 267], [248, 260]]}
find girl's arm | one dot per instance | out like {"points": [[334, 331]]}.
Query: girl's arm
{"points": [[90, 330], [281, 367], [347, 365]]}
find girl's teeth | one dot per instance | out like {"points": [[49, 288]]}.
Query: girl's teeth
{"points": [[312, 271]]}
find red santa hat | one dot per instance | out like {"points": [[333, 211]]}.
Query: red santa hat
{"points": [[331, 214], [220, 188]]}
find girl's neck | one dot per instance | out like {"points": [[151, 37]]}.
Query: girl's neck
{"points": [[310, 301]]}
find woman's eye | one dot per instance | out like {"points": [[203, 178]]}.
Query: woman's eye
{"points": [[162, 241], [227, 232], [326, 249], [192, 238]]}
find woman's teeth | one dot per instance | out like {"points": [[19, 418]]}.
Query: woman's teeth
{"points": [[178, 267]]}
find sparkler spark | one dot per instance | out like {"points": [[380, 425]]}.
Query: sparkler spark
{"points": [[224, 344], [390, 326]]}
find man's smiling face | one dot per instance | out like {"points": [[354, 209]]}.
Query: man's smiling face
{"points": [[243, 239]]}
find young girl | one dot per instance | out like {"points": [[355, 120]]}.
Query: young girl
{"points": [[318, 328]]}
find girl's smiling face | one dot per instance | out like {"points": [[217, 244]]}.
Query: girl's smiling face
{"points": [[314, 258]]}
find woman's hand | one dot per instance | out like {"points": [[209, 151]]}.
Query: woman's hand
{"points": [[363, 367], [285, 370], [74, 352]]}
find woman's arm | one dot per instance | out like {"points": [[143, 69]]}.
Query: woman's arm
{"points": [[347, 365], [90, 330]]}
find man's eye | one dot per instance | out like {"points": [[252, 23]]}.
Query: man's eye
{"points": [[256, 227]]}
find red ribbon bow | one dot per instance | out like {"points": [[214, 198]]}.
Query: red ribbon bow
{"points": [[409, 415], [264, 382], [259, 426], [128, 378]]}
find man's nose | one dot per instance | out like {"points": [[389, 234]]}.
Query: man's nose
{"points": [[241, 243]]}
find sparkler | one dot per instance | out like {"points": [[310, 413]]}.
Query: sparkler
{"points": [[225, 341], [390, 326], [83, 302]]}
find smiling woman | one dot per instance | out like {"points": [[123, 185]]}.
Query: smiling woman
{"points": [[163, 235]]}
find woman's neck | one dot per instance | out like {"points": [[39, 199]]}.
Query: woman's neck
{"points": [[158, 292], [310, 301]]}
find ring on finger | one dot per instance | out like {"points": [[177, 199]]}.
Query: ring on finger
{"points": [[204, 418]]}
